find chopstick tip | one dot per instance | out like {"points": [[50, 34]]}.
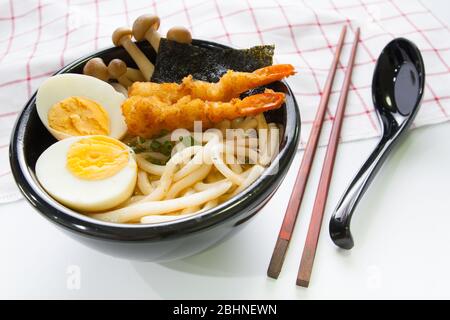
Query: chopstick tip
{"points": [[276, 262], [302, 283]]}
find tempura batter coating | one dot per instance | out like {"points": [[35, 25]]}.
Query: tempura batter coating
{"points": [[232, 83], [230, 86], [148, 116], [166, 92], [153, 107]]}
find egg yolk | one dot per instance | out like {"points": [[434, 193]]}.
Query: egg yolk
{"points": [[78, 116], [96, 158]]}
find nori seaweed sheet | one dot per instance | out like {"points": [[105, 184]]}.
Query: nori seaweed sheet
{"points": [[176, 60]]}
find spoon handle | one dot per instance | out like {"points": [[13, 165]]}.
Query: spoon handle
{"points": [[341, 218]]}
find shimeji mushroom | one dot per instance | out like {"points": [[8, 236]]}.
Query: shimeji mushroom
{"points": [[117, 70], [134, 75], [96, 68], [179, 34], [122, 37], [146, 27]]}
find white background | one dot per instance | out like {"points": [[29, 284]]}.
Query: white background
{"points": [[401, 230]]}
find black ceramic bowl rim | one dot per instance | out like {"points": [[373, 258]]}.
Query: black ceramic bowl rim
{"points": [[77, 222]]}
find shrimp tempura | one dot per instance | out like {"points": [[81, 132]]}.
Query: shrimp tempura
{"points": [[148, 116]]}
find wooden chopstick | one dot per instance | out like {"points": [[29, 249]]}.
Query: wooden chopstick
{"points": [[309, 251], [295, 200]]}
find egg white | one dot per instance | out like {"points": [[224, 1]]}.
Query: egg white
{"points": [[62, 86], [80, 194]]}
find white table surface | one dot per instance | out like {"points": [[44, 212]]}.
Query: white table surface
{"points": [[401, 230]]}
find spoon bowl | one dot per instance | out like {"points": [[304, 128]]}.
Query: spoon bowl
{"points": [[397, 89]]}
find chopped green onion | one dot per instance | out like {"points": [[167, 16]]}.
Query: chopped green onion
{"points": [[156, 161], [140, 140], [138, 149], [155, 145], [166, 148], [162, 133], [188, 141]]}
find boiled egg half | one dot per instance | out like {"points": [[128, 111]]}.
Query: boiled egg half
{"points": [[89, 173], [78, 105]]}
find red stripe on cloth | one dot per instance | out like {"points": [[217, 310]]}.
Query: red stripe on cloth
{"points": [[125, 8], [13, 30], [352, 85], [332, 91], [233, 13], [182, 10], [434, 99], [255, 22], [352, 6], [395, 16], [188, 17], [89, 2], [441, 73], [222, 22], [18, 16], [299, 53], [36, 43], [293, 25], [438, 99], [143, 9], [432, 49], [8, 83], [434, 16], [66, 35], [155, 9], [27, 32], [421, 32], [416, 30], [8, 114], [347, 115], [373, 60], [4, 173]]}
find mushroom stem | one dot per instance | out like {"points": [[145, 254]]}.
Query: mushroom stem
{"points": [[153, 37], [122, 37], [123, 80], [141, 60], [134, 75]]}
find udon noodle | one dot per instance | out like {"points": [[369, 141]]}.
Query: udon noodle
{"points": [[199, 177]]}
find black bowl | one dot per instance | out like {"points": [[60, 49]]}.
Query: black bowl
{"points": [[151, 242]]}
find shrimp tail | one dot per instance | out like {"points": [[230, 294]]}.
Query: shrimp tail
{"points": [[262, 102], [249, 106], [274, 73]]}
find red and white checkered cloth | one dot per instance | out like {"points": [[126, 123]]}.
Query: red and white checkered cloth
{"points": [[39, 37]]}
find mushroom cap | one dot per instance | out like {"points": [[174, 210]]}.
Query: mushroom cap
{"points": [[119, 33], [96, 68], [179, 34], [143, 23], [117, 68]]}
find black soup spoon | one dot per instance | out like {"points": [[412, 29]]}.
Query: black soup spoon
{"points": [[397, 89]]}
